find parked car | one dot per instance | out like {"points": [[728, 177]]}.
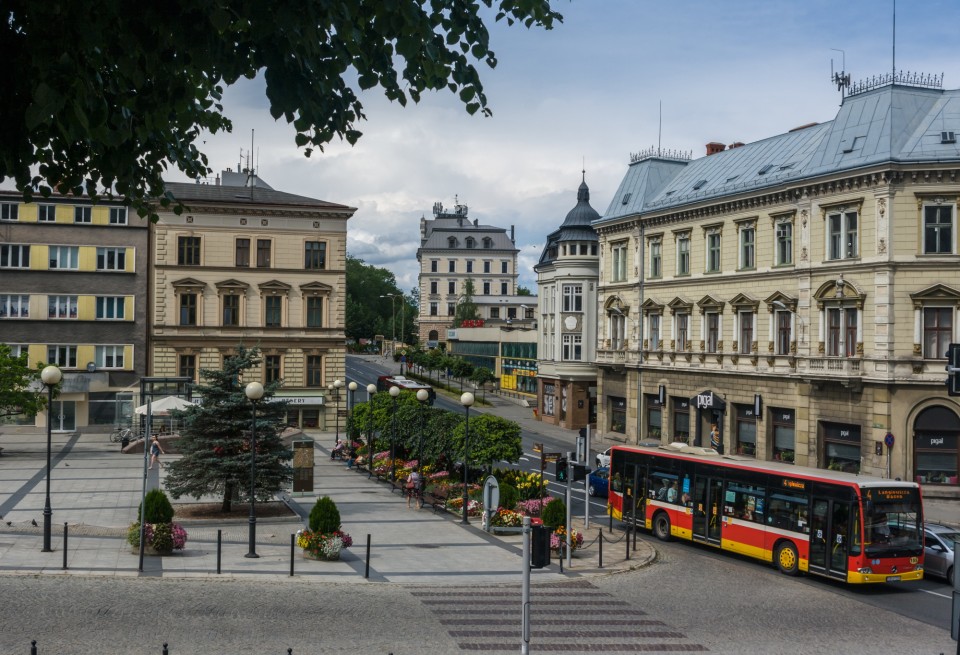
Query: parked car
{"points": [[598, 482], [938, 550], [603, 459]]}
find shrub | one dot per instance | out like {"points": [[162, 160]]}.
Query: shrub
{"points": [[509, 496], [158, 507], [324, 517], [555, 513]]}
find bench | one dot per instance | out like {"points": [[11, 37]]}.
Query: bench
{"points": [[437, 497]]}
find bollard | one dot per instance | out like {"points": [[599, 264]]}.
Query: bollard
{"points": [[165, 650], [560, 551], [33, 647], [600, 541], [610, 527], [634, 530], [293, 542], [219, 548], [626, 534], [64, 546], [366, 572]]}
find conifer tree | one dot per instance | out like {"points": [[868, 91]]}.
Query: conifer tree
{"points": [[215, 437]]}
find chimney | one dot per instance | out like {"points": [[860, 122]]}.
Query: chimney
{"points": [[713, 148], [513, 234], [735, 144]]}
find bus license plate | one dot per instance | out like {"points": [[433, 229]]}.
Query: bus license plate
{"points": [[893, 578]]}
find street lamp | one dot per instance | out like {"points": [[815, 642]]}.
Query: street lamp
{"points": [[393, 319], [51, 376], [371, 389], [254, 392], [337, 386], [422, 396], [466, 399], [351, 401], [394, 392]]}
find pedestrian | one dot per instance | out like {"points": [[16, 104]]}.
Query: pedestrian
{"points": [[413, 488], [155, 452]]}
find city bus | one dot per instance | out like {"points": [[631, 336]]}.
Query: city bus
{"points": [[384, 382], [853, 528]]}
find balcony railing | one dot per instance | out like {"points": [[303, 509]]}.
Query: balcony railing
{"points": [[834, 366]]}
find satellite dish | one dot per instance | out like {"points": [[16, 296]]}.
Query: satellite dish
{"points": [[91, 367]]}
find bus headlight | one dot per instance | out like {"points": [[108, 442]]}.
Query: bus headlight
{"points": [[865, 570]]}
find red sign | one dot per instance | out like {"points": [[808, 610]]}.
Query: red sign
{"points": [[472, 322]]}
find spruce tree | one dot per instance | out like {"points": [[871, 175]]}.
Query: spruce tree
{"points": [[215, 437]]}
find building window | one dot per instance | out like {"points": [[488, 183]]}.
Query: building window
{"points": [[654, 425], [494, 312], [109, 356], [572, 348], [654, 324], [451, 308], [434, 309], [9, 211], [938, 229], [434, 265], [187, 366], [471, 242], [683, 254], [451, 266], [573, 297], [783, 434], [81, 214], [656, 259], [486, 288], [263, 253], [111, 259], [842, 332], [452, 286], [62, 307], [433, 286], [314, 371], [549, 399], [746, 332], [469, 266], [110, 307], [271, 369], [841, 446], [451, 242], [188, 309], [681, 419], [511, 312], [273, 311], [619, 252], [618, 327], [748, 248], [314, 312], [62, 356], [504, 267], [713, 331], [937, 331], [47, 213], [64, 257], [504, 288], [14, 306], [243, 253], [842, 235], [188, 251], [486, 266], [713, 252], [618, 415], [784, 244], [231, 310], [487, 242], [14, 256], [683, 332], [783, 322], [315, 255], [118, 216], [745, 431]]}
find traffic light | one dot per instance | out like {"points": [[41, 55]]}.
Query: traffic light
{"points": [[561, 470], [953, 369], [540, 547], [579, 472]]}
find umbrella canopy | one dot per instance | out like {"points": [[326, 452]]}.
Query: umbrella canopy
{"points": [[164, 406]]}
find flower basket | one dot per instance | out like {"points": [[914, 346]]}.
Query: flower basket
{"points": [[159, 538], [323, 547]]}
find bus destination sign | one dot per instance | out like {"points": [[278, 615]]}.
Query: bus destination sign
{"points": [[794, 484]]}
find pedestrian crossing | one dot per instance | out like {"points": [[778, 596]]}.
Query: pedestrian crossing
{"points": [[565, 617]]}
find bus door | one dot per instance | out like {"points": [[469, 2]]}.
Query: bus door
{"points": [[706, 508], [829, 530], [631, 512]]}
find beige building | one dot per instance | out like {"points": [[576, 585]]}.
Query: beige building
{"points": [[454, 249], [799, 293], [247, 264]]}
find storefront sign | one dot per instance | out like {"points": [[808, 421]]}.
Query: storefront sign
{"points": [[709, 400], [936, 441]]}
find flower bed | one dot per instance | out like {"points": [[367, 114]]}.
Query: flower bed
{"points": [[161, 537], [559, 537], [323, 546]]}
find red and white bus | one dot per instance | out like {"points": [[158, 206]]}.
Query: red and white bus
{"points": [[853, 528], [384, 382]]}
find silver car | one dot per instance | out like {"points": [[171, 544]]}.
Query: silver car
{"points": [[938, 550]]}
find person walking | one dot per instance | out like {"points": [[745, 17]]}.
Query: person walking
{"points": [[414, 483], [155, 452]]}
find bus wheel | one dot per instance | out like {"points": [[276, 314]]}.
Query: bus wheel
{"points": [[787, 560], [661, 526]]}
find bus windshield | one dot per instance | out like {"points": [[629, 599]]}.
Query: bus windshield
{"points": [[892, 521]]}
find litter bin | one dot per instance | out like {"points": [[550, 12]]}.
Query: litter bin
{"points": [[124, 442], [540, 551]]}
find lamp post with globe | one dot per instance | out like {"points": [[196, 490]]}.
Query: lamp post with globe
{"points": [[371, 390], [466, 399], [254, 392], [422, 396], [51, 376], [394, 392]]}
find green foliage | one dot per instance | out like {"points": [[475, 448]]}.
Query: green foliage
{"points": [[527, 484], [554, 514], [467, 310], [492, 439], [215, 438], [157, 507], [509, 496], [136, 90], [523, 291], [367, 313], [21, 391], [324, 517]]}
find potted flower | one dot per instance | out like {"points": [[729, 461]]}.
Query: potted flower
{"points": [[161, 535], [324, 539]]}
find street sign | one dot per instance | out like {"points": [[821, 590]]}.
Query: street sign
{"points": [[953, 369], [538, 447], [888, 440], [491, 494], [551, 457]]}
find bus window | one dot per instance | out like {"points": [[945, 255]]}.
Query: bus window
{"points": [[788, 512], [744, 501], [663, 486]]}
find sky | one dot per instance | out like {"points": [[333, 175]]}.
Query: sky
{"points": [[615, 77]]}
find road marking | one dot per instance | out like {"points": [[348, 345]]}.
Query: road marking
{"points": [[934, 593]]}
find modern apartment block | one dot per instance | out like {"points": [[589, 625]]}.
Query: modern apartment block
{"points": [[247, 264], [799, 292], [73, 292], [454, 249], [567, 276]]}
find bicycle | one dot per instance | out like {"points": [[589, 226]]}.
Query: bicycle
{"points": [[120, 434]]}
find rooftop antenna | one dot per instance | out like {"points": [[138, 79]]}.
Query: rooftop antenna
{"points": [[659, 128], [841, 79], [894, 38]]}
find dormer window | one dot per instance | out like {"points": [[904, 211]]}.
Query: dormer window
{"points": [[471, 242], [487, 242], [451, 242]]}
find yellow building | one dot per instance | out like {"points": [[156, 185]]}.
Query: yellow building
{"points": [[799, 293]]}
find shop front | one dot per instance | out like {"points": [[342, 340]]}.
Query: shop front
{"points": [[936, 431]]}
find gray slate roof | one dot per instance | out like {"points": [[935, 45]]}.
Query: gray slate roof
{"points": [[186, 192], [439, 230], [894, 123], [577, 226]]}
